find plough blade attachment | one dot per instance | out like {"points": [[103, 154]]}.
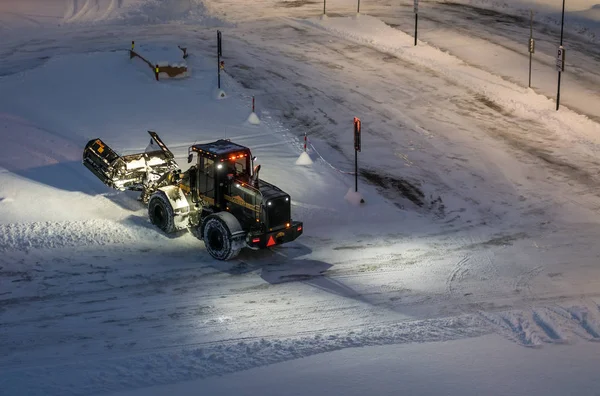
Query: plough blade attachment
{"points": [[130, 172]]}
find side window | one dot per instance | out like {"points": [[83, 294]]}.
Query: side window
{"points": [[207, 177], [240, 166]]}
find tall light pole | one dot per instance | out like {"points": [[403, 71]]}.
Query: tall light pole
{"points": [[561, 53]]}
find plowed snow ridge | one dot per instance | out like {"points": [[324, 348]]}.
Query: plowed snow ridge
{"points": [[52, 235]]}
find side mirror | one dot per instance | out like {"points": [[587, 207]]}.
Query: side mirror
{"points": [[190, 158], [254, 158]]}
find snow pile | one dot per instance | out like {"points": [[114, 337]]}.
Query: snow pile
{"points": [[354, 197], [304, 159], [143, 162], [253, 119], [54, 235], [167, 55]]}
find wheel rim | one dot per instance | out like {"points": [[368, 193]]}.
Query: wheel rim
{"points": [[215, 239]]}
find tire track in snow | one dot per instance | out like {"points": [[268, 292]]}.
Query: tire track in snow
{"points": [[554, 324], [458, 272], [114, 5], [547, 326], [585, 317], [71, 10], [514, 326], [523, 281], [77, 13]]}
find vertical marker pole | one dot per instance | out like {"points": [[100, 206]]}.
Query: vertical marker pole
{"points": [[558, 93], [358, 9], [416, 24], [305, 142], [156, 71], [253, 104], [530, 44], [357, 127], [219, 59], [561, 43], [416, 19], [324, 4], [355, 170]]}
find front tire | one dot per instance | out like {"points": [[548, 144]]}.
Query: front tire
{"points": [[161, 212], [217, 239]]}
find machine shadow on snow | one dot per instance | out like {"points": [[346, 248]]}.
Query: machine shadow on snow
{"points": [[285, 264], [68, 177], [62, 175]]}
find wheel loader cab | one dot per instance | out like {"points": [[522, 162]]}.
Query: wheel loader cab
{"points": [[224, 179]]}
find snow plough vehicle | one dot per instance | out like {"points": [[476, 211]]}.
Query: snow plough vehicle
{"points": [[220, 198]]}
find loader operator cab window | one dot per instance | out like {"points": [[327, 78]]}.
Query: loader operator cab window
{"points": [[238, 167], [206, 185]]}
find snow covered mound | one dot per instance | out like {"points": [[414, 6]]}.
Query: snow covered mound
{"points": [[354, 197], [253, 119], [304, 159], [50, 235], [169, 59]]}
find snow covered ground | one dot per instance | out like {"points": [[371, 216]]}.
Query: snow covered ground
{"points": [[481, 215], [484, 365]]}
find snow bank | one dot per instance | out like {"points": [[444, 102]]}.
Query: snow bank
{"points": [[54, 235], [581, 16], [202, 361], [512, 98], [471, 367]]}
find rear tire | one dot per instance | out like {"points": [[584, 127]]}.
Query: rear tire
{"points": [[161, 212], [217, 239]]}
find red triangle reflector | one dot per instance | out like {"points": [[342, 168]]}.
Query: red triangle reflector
{"points": [[271, 241]]}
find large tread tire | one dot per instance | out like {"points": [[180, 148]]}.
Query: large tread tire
{"points": [[161, 212], [217, 239]]}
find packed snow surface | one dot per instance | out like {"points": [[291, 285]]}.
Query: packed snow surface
{"points": [[471, 267]]}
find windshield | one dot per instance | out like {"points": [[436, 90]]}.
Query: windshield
{"points": [[238, 166]]}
